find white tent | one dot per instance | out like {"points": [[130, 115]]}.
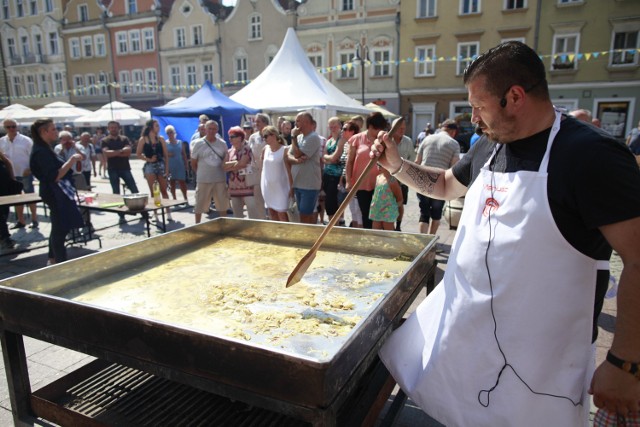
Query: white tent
{"points": [[291, 83], [118, 111], [14, 110], [59, 112], [376, 108]]}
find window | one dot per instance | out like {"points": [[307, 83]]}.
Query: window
{"points": [[74, 48], [132, 6], [5, 9], [466, 53], [43, 84], [191, 75], [103, 83], [625, 45], [515, 4], [565, 47], [17, 86], [241, 71], [101, 45], [347, 4], [87, 46], [19, 9], [174, 71], [346, 72], [180, 39], [54, 48], [255, 27], [11, 47], [569, 1], [426, 65], [137, 81], [24, 43], [121, 42], [125, 82], [426, 9], [83, 13], [152, 80], [58, 82], [92, 89], [381, 65], [196, 35], [33, 7], [48, 6], [31, 85], [316, 59], [207, 72], [148, 40], [135, 45], [37, 41], [78, 85], [469, 6]]}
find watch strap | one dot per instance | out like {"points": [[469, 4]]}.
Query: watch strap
{"points": [[630, 367]]}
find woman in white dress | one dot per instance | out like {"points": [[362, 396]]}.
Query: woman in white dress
{"points": [[276, 181]]}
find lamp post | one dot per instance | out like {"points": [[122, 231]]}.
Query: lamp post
{"points": [[362, 55]]}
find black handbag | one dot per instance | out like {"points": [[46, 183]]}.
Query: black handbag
{"points": [[15, 187]]}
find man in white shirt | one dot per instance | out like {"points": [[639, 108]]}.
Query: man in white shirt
{"points": [[17, 148], [256, 143]]}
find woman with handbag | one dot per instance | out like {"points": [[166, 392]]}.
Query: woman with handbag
{"points": [[56, 186]]}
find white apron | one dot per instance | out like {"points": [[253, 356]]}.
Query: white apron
{"points": [[446, 357]]}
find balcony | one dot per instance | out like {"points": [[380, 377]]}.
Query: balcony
{"points": [[27, 59]]}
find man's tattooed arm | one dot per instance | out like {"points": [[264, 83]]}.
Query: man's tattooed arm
{"points": [[421, 180]]}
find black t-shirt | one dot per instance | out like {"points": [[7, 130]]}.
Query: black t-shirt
{"points": [[593, 181], [117, 143]]}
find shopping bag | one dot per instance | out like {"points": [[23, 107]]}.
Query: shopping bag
{"points": [[292, 212]]}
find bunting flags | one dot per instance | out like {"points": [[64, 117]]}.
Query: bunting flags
{"points": [[128, 88]]}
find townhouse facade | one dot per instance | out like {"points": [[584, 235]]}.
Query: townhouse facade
{"points": [[33, 52], [590, 49], [408, 56], [189, 48], [89, 64], [250, 37], [355, 44]]}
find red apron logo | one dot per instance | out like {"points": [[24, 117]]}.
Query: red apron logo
{"points": [[490, 205]]}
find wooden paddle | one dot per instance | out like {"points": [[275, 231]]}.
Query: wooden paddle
{"points": [[306, 260]]}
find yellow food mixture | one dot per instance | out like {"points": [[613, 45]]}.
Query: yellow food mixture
{"points": [[235, 288]]}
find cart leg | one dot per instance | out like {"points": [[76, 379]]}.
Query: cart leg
{"points": [[15, 363]]}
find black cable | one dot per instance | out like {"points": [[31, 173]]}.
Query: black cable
{"points": [[505, 363]]}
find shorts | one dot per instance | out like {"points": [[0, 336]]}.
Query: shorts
{"points": [[205, 191], [307, 200], [156, 168], [27, 183], [430, 208]]}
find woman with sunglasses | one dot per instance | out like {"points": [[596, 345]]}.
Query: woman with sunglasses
{"points": [[276, 181], [177, 162], [238, 168]]}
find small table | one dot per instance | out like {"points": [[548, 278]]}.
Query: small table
{"points": [[105, 202], [20, 199]]}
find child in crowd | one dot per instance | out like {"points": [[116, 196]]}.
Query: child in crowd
{"points": [[387, 198]]}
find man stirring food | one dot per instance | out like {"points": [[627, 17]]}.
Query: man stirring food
{"points": [[507, 337]]}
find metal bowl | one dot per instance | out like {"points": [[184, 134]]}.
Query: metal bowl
{"points": [[136, 201]]}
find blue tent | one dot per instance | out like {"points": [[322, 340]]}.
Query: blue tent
{"points": [[207, 100]]}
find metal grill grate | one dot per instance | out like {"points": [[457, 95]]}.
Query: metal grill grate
{"points": [[118, 395]]}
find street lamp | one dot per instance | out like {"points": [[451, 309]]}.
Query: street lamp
{"points": [[362, 55]]}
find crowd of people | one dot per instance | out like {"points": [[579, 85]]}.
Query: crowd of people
{"points": [[264, 172]]}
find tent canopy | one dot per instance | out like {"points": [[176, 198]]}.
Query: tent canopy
{"points": [[118, 111], [386, 113], [183, 116], [14, 110], [291, 83], [59, 112]]}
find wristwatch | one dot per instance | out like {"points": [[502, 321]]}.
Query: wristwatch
{"points": [[629, 367]]}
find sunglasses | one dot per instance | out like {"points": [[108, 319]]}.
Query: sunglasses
{"points": [[10, 127], [234, 136], [266, 135]]}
